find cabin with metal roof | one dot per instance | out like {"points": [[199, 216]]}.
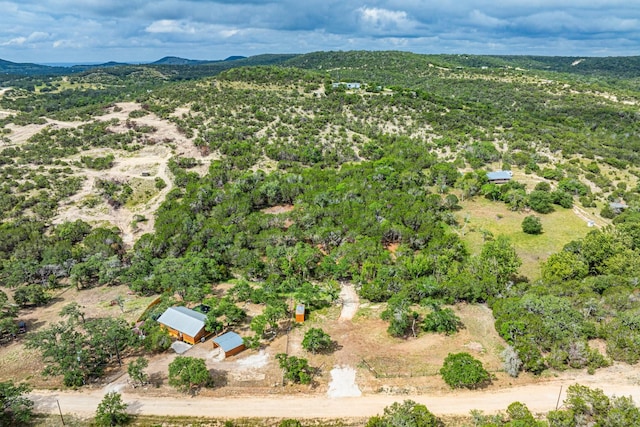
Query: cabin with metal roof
{"points": [[230, 343], [618, 207], [184, 324], [499, 177]]}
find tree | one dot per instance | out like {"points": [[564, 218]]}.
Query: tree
{"points": [[586, 406], [442, 321], [189, 374], [532, 225], [315, 340], [461, 370], [521, 416], [562, 198], [112, 411], [563, 266], [607, 212], [15, 409], [136, 371], [81, 352], [512, 362], [31, 295], [73, 310], [499, 257], [156, 338], [8, 313], [296, 369], [402, 319], [541, 201], [406, 414]]}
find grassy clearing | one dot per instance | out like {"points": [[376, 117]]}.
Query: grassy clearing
{"points": [[406, 367], [58, 86], [143, 191], [559, 228]]}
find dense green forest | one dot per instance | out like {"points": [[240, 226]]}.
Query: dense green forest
{"points": [[362, 171]]}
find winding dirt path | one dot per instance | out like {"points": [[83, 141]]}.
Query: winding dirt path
{"points": [[350, 301], [588, 218]]}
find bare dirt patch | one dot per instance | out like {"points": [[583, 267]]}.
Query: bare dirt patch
{"points": [[142, 167], [274, 210], [350, 301], [343, 383]]}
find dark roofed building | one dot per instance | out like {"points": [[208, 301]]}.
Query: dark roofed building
{"points": [[183, 323], [230, 343]]}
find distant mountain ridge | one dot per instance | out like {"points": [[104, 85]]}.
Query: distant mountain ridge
{"points": [[354, 64], [174, 60], [17, 68]]}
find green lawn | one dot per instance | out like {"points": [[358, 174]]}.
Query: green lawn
{"points": [[559, 228]]}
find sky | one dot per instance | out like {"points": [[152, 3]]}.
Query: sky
{"points": [[84, 31]]}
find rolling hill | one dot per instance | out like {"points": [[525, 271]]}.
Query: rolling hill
{"points": [[250, 183]]}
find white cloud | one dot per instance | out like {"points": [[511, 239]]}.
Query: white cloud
{"points": [[229, 33], [132, 30], [384, 20], [17, 41], [36, 36], [170, 26], [483, 20]]}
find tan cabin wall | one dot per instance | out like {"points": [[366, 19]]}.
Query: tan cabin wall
{"points": [[184, 337]]}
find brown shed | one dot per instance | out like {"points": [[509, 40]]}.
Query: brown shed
{"points": [[184, 324], [300, 311], [230, 342]]}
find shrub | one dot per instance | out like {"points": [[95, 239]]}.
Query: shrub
{"points": [[407, 413], [160, 183], [461, 370], [296, 369], [188, 373], [512, 362], [443, 321], [541, 201], [112, 411], [316, 340], [15, 407], [532, 225], [607, 212], [542, 186]]}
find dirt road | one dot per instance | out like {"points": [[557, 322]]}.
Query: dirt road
{"points": [[539, 398]]}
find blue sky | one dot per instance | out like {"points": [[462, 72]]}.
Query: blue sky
{"points": [[45, 31]]}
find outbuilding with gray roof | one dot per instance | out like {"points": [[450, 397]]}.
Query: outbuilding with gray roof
{"points": [[184, 324]]}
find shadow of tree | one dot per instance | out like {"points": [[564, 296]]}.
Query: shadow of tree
{"points": [[219, 378]]}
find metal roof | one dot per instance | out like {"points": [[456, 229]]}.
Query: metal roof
{"points": [[184, 320], [617, 205], [499, 175], [228, 341]]}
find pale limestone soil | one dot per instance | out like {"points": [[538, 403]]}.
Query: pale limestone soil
{"points": [[152, 160], [350, 301]]}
